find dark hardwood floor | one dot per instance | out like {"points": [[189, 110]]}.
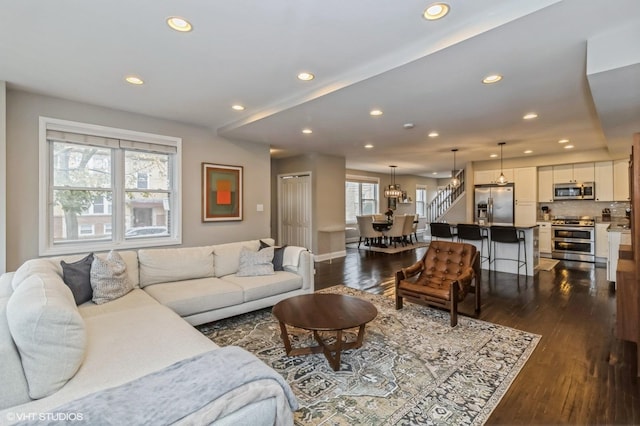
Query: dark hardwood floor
{"points": [[578, 374]]}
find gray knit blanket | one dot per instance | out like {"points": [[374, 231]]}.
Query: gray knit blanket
{"points": [[175, 393]]}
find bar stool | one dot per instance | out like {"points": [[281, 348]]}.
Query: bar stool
{"points": [[470, 232], [509, 235], [442, 230]]}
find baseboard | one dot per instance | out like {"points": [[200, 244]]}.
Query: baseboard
{"points": [[328, 256]]}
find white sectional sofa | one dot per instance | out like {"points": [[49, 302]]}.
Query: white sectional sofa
{"points": [[57, 356]]}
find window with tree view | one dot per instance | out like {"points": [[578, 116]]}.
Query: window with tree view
{"points": [[361, 198], [106, 191]]}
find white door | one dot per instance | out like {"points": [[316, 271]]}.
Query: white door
{"points": [[294, 210]]}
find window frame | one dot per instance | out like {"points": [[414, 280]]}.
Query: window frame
{"points": [[360, 180], [46, 245], [421, 188]]}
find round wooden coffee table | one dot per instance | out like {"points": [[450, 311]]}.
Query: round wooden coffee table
{"points": [[319, 312]]}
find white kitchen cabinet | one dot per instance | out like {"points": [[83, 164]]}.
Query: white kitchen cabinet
{"points": [[544, 236], [604, 180], [485, 177], [525, 213], [545, 184], [602, 241], [583, 172], [579, 172], [620, 180], [525, 182]]}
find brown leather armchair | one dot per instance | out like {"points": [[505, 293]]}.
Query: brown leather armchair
{"points": [[447, 272]]}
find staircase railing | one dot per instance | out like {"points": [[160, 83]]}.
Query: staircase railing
{"points": [[444, 199]]}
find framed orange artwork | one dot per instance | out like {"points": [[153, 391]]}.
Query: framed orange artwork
{"points": [[221, 192]]}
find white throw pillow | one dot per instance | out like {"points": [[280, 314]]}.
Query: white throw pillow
{"points": [[49, 332], [254, 263], [109, 279]]}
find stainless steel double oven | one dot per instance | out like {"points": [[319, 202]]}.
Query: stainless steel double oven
{"points": [[573, 238]]}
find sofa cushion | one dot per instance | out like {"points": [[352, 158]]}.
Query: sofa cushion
{"points": [[77, 275], [48, 331], [260, 287], [175, 264], [195, 296], [14, 389], [109, 279], [227, 256], [255, 263]]}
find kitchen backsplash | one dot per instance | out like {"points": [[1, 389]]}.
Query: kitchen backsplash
{"points": [[583, 208]]}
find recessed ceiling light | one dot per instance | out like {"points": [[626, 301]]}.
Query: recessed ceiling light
{"points": [[530, 116], [434, 173], [563, 141], [305, 76], [132, 79], [493, 78], [179, 24], [307, 131], [434, 134], [237, 107], [528, 151], [375, 112], [368, 146], [568, 146], [493, 155], [435, 11], [408, 125]]}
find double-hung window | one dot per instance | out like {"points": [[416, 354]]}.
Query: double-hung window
{"points": [[361, 197], [103, 188], [421, 201]]}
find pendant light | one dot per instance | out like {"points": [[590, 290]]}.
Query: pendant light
{"points": [[455, 182], [501, 180], [393, 190]]}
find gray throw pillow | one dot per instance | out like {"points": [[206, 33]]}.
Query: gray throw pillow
{"points": [[278, 253], [77, 276], [109, 279], [254, 263]]}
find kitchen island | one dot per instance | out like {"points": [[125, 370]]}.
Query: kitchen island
{"points": [[510, 251]]}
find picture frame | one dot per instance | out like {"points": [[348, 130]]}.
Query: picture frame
{"points": [[221, 192]]}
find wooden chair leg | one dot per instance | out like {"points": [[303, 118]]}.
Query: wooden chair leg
{"points": [[454, 304], [398, 302], [359, 241]]}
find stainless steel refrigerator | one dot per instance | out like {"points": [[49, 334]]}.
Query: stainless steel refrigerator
{"points": [[494, 203]]}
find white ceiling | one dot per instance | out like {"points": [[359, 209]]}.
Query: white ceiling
{"points": [[574, 62]]}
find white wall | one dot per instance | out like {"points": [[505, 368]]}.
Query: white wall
{"points": [[198, 145], [3, 177]]}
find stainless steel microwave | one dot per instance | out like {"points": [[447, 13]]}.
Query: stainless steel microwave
{"points": [[574, 191]]}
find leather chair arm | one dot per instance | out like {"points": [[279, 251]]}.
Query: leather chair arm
{"points": [[412, 270], [464, 280]]}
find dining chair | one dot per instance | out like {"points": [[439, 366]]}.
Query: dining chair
{"points": [[395, 233], [442, 230], [365, 228], [407, 230], [416, 222]]}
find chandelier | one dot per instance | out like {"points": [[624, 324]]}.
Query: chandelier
{"points": [[393, 190], [455, 182]]}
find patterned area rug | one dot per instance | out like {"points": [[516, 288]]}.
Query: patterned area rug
{"points": [[413, 368]]}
